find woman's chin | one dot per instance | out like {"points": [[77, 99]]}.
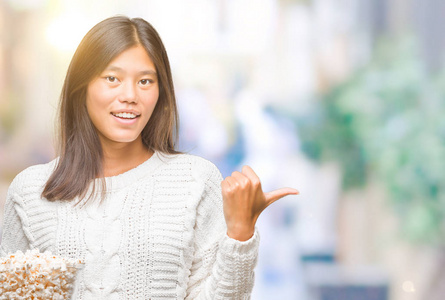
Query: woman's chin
{"points": [[122, 140]]}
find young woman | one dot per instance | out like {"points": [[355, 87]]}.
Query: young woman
{"points": [[149, 222]]}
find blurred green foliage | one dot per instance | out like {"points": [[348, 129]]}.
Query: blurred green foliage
{"points": [[9, 113], [388, 121]]}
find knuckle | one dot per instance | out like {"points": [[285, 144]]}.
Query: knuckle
{"points": [[245, 183], [230, 191], [226, 188], [256, 183]]}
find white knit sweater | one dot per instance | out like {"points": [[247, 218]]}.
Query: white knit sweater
{"points": [[160, 233]]}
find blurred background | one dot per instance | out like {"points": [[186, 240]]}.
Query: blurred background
{"points": [[342, 99]]}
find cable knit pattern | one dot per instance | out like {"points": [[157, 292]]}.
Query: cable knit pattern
{"points": [[159, 234]]}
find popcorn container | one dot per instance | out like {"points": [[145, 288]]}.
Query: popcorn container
{"points": [[38, 276]]}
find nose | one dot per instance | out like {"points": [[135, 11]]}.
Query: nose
{"points": [[128, 93]]}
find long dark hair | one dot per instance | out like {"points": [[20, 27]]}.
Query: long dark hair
{"points": [[80, 151]]}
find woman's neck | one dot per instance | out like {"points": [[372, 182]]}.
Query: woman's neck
{"points": [[122, 157]]}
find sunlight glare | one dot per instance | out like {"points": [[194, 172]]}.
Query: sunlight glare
{"points": [[65, 32]]}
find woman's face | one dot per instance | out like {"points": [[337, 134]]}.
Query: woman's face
{"points": [[122, 98]]}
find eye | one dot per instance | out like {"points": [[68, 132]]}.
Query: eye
{"points": [[111, 79], [145, 81]]}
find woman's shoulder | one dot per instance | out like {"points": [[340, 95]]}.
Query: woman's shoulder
{"points": [[33, 177], [199, 166]]}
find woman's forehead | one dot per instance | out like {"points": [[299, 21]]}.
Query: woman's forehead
{"points": [[134, 60]]}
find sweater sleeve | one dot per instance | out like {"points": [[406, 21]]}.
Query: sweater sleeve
{"points": [[13, 234], [222, 267]]}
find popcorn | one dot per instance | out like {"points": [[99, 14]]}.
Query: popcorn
{"points": [[37, 276]]}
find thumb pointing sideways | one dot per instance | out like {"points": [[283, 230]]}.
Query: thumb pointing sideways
{"points": [[275, 195]]}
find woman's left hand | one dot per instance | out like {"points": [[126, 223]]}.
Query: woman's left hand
{"points": [[244, 201]]}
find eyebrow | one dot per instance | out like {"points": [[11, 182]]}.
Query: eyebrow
{"points": [[117, 69]]}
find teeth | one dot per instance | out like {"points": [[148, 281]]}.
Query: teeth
{"points": [[125, 115]]}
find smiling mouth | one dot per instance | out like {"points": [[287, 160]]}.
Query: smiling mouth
{"points": [[125, 115]]}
